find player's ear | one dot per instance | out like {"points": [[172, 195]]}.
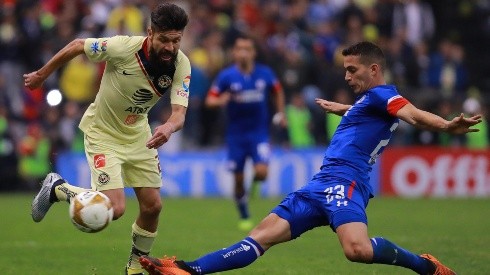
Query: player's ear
{"points": [[374, 69]]}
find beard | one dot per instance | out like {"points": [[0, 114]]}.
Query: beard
{"points": [[157, 62]]}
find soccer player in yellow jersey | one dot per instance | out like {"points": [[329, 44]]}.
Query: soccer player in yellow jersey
{"points": [[120, 148]]}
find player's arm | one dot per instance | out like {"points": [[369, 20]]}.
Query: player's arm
{"points": [[179, 99], [332, 107], [279, 117], [218, 95], [163, 132], [426, 120], [36, 79], [216, 99]]}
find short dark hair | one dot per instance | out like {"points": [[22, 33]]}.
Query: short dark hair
{"points": [[168, 16], [368, 52]]}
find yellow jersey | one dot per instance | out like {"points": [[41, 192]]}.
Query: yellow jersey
{"points": [[130, 86]]}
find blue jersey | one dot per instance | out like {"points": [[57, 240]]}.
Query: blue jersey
{"points": [[247, 111], [340, 192], [363, 133]]}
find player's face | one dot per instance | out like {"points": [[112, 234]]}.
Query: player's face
{"points": [[244, 51], [164, 46], [358, 76]]}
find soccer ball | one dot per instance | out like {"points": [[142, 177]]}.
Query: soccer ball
{"points": [[91, 211]]}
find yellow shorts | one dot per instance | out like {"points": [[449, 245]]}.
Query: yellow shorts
{"points": [[114, 166]]}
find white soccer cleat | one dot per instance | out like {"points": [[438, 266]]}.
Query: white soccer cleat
{"points": [[41, 203]]}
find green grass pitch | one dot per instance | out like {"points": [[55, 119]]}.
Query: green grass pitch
{"points": [[457, 231]]}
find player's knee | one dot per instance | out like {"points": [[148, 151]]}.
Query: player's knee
{"points": [[358, 253], [118, 211], [260, 172], [261, 176], [151, 209]]}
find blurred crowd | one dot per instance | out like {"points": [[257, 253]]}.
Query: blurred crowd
{"points": [[437, 53]]}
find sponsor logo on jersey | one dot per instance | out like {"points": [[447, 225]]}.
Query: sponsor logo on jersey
{"points": [[236, 86], [186, 83], [131, 119], [104, 178], [126, 73], [164, 81], [99, 161], [248, 96], [260, 84], [137, 110], [340, 203], [141, 96], [103, 46], [95, 47], [183, 93]]}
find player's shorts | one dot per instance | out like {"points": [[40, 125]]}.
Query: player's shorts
{"points": [[115, 166], [238, 151], [325, 200]]}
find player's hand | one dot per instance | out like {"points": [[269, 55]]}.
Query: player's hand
{"points": [[332, 107], [279, 119], [224, 98], [161, 136], [462, 124], [33, 80]]}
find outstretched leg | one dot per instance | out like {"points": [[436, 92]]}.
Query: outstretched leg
{"points": [[272, 230], [359, 248], [53, 189]]}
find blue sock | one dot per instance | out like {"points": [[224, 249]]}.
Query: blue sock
{"points": [[242, 205], [386, 252], [236, 256]]}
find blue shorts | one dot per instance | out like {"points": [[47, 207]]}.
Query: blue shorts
{"points": [[325, 200], [238, 152]]}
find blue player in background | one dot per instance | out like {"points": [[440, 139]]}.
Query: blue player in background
{"points": [[246, 89], [338, 195]]}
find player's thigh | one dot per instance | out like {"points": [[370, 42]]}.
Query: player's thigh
{"points": [[260, 151], [105, 165], [142, 169], [236, 157], [300, 212], [341, 200]]}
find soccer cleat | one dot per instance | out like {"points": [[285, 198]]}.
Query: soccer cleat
{"points": [[165, 266], [440, 269], [245, 225], [42, 203]]}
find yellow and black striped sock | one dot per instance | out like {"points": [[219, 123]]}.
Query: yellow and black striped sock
{"points": [[63, 191], [142, 244]]}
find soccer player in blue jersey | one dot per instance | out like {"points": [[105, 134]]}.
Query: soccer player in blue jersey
{"points": [[338, 195], [245, 89]]}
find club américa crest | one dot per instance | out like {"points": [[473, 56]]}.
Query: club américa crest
{"points": [[164, 81]]}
